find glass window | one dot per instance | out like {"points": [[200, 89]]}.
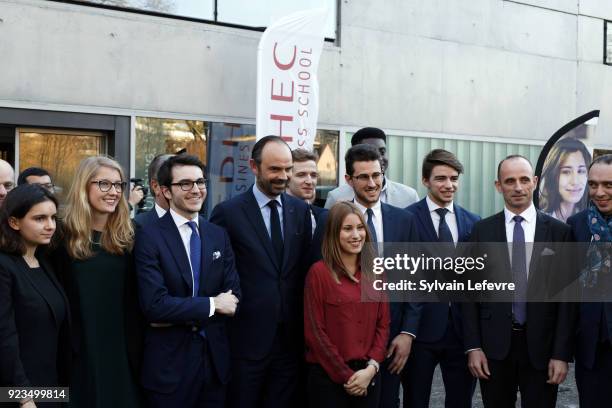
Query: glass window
{"points": [[59, 152], [326, 146], [254, 14], [156, 136]]}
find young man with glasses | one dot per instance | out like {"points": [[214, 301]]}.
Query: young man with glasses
{"points": [[188, 288], [7, 180]]}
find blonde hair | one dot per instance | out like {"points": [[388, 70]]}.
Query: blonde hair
{"points": [[330, 248], [118, 236]]}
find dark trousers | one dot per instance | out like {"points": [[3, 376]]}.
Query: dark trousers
{"points": [[417, 375], [516, 373], [270, 382], [595, 384], [324, 393], [199, 387]]}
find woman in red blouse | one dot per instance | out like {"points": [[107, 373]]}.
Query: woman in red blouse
{"points": [[345, 337]]}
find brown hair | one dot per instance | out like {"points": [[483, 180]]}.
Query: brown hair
{"points": [[330, 248], [301, 155], [439, 157]]}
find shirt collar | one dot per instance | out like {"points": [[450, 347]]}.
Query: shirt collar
{"points": [[529, 215], [433, 206], [179, 220], [160, 211], [375, 208], [262, 199]]}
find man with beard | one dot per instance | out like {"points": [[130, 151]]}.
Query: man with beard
{"points": [[391, 192], [271, 234], [594, 334]]}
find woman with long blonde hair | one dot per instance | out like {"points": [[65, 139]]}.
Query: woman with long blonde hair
{"points": [[97, 273], [346, 338]]}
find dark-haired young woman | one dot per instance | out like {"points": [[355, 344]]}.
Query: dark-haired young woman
{"points": [[34, 312], [345, 338]]}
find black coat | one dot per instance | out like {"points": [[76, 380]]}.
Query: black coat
{"points": [[31, 332]]}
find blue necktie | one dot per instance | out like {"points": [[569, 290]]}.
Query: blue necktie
{"points": [[519, 271], [444, 232], [370, 214], [195, 255]]}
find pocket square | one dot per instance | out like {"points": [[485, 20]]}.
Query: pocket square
{"points": [[216, 255], [547, 252]]}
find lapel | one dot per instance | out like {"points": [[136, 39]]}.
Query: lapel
{"points": [[426, 224], [542, 230], [175, 243], [499, 235], [25, 271], [461, 222], [388, 224], [207, 252], [289, 224], [253, 213]]}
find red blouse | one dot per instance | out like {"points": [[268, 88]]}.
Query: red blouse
{"points": [[338, 326]]}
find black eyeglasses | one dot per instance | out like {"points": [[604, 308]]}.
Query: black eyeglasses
{"points": [[105, 185], [187, 185]]}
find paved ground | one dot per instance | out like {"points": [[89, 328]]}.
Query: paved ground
{"points": [[567, 397]]}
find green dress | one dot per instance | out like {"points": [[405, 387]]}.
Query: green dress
{"points": [[101, 375]]}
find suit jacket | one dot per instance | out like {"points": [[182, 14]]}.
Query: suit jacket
{"points": [[591, 315], [145, 218], [428, 321], [398, 226], [550, 326], [271, 293], [31, 334], [165, 289], [398, 195]]}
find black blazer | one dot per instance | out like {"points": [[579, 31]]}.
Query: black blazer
{"points": [[271, 293], [31, 336], [550, 326]]}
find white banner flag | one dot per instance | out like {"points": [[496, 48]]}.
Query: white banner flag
{"points": [[287, 85]]}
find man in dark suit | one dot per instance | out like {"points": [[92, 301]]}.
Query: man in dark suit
{"points": [[594, 334], [437, 327], [161, 203], [271, 234], [188, 287], [303, 181], [519, 345], [388, 224]]}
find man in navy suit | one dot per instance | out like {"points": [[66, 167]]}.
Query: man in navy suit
{"points": [[436, 327], [389, 224], [303, 181], [161, 203], [188, 287], [271, 234], [594, 334]]}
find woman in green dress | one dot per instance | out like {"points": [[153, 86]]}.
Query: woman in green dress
{"points": [[100, 282]]}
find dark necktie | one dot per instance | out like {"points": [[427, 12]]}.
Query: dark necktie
{"points": [[519, 271], [444, 232], [275, 231], [370, 214], [195, 256]]}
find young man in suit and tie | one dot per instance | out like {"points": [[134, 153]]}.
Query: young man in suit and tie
{"points": [[188, 287], [386, 224], [271, 235], [437, 327], [391, 192], [303, 181], [161, 203], [519, 345], [594, 334]]}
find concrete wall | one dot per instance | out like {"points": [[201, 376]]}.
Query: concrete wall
{"points": [[510, 69]]}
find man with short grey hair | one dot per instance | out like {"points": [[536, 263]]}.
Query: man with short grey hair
{"points": [[7, 179]]}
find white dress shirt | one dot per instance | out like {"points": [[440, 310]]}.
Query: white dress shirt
{"points": [[185, 232], [160, 211], [376, 219], [262, 201], [451, 218]]}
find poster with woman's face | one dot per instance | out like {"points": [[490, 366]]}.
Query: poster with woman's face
{"points": [[563, 182]]}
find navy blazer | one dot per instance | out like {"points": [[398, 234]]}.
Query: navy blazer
{"points": [[428, 321], [165, 289], [271, 293], [590, 313], [145, 218], [398, 226]]}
